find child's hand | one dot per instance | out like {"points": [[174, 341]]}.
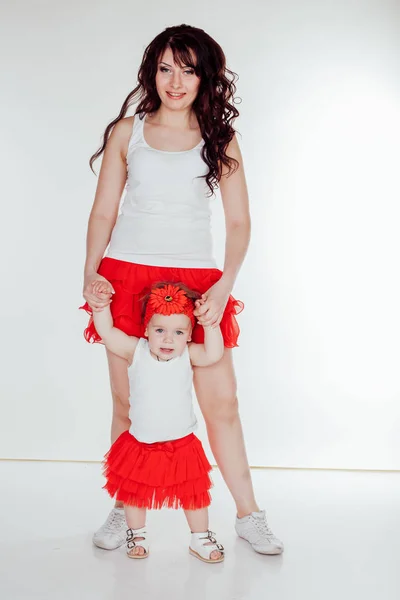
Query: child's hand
{"points": [[210, 307], [97, 301], [103, 290], [197, 304], [102, 287]]}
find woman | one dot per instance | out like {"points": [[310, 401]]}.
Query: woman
{"points": [[179, 146]]}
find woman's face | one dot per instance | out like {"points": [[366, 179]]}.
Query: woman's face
{"points": [[177, 86]]}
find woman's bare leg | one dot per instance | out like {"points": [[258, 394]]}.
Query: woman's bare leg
{"points": [[216, 393], [118, 370]]}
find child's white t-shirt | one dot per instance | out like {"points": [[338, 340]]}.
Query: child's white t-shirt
{"points": [[161, 403]]}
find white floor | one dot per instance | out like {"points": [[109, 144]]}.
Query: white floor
{"points": [[341, 530]]}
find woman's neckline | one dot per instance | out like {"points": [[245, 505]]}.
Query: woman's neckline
{"points": [[167, 151]]}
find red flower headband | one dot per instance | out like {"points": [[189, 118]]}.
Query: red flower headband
{"points": [[169, 300]]}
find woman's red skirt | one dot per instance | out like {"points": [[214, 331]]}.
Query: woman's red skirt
{"points": [[171, 474], [132, 282]]}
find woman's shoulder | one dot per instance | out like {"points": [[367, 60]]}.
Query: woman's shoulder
{"points": [[122, 132], [123, 129]]}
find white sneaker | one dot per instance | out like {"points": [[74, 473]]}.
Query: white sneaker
{"points": [[254, 528], [112, 533]]}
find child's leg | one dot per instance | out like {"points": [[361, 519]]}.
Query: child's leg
{"points": [[136, 519], [198, 523]]}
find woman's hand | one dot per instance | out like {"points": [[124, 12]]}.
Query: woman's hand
{"points": [[97, 292], [210, 307]]}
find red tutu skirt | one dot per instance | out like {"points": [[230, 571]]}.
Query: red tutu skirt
{"points": [[171, 474], [132, 282]]}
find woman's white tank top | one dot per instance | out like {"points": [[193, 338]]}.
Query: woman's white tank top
{"points": [[161, 405], [165, 217]]}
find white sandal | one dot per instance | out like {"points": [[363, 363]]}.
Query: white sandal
{"points": [[131, 535], [201, 548]]}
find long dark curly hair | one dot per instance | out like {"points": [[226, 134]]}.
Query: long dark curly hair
{"points": [[214, 103]]}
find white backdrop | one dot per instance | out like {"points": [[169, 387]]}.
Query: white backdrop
{"points": [[318, 367]]}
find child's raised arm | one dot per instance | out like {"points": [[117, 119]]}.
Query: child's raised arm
{"points": [[114, 339], [203, 355]]}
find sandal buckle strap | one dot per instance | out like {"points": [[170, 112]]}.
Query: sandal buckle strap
{"points": [[131, 534]]}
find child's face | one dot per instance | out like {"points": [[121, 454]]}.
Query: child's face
{"points": [[168, 335]]}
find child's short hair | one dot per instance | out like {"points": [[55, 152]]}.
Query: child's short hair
{"points": [[190, 294]]}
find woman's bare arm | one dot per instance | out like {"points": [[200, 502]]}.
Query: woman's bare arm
{"points": [[112, 179], [237, 216], [111, 183], [210, 309]]}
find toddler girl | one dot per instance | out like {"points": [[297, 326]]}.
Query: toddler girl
{"points": [[159, 461]]}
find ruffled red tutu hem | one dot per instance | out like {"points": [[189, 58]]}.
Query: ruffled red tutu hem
{"points": [[171, 474], [132, 282]]}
